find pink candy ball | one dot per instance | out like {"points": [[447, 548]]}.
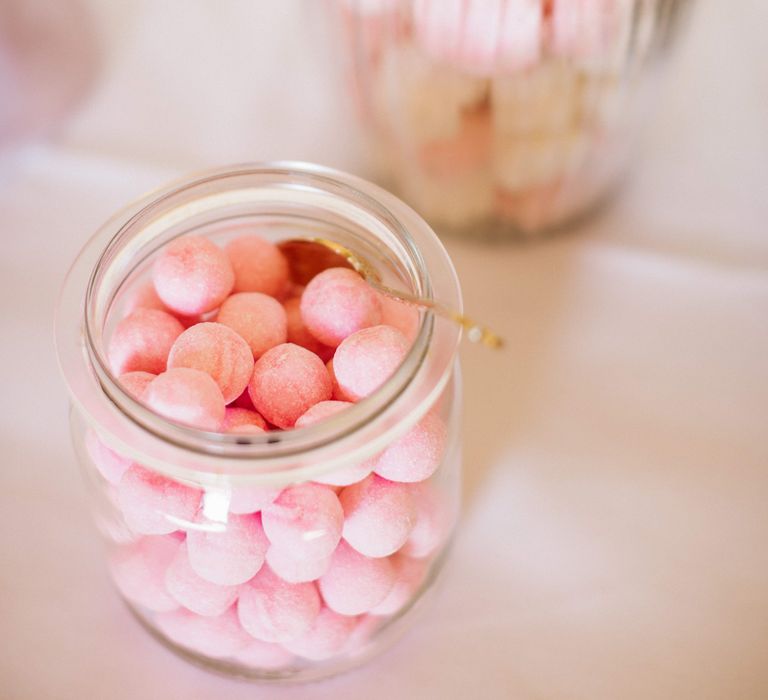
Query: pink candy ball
{"points": [[143, 296], [264, 655], [192, 275], [287, 381], [416, 455], [257, 318], [320, 411], [110, 464], [218, 636], [296, 568], [584, 28], [400, 315], [152, 504], [327, 636], [338, 394], [135, 383], [354, 583], [306, 520], [139, 568], [275, 611], [236, 419], [338, 302], [298, 333], [218, 351], [378, 516], [187, 396], [366, 359], [433, 522], [259, 266], [409, 575], [141, 342], [251, 499], [230, 556]]}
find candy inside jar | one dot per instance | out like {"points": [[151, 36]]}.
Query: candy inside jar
{"points": [[273, 456]]}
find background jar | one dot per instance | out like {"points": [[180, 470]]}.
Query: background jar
{"points": [[163, 492], [505, 117]]}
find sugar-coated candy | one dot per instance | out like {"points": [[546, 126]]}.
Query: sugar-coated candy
{"points": [[378, 515], [366, 359], [259, 265], [193, 592], [135, 383], [399, 315], [143, 296], [142, 341], [409, 575], [218, 351], [338, 394], [187, 396], [237, 418], [337, 303], [248, 498], [139, 568], [433, 522], [272, 610], [296, 568], [298, 333], [320, 411], [217, 636], [264, 655], [153, 504], [257, 318], [192, 275], [110, 464], [327, 636], [416, 455], [306, 520], [227, 553], [287, 381], [364, 629], [354, 583]]}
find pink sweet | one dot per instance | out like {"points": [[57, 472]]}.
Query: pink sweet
{"points": [[584, 28], [338, 302], [138, 570], [365, 628], [287, 381], [218, 351], [399, 315], [257, 318], [218, 636], [143, 296], [152, 504], [192, 275], [195, 593], [227, 553], [321, 411], [273, 610], [417, 454], [264, 655], [251, 499], [187, 396], [338, 394], [110, 464], [305, 520], [259, 266], [366, 359], [433, 522], [410, 575], [354, 583], [135, 383], [298, 333], [142, 341], [327, 636], [295, 568], [237, 418], [378, 515]]}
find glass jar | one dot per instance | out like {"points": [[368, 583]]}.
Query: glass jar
{"points": [[503, 117], [167, 496]]}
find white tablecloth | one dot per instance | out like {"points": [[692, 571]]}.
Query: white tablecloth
{"points": [[614, 537]]}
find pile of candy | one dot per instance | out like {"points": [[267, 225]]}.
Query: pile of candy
{"points": [[222, 339]]}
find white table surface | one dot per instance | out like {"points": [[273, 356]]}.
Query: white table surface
{"points": [[614, 538]]}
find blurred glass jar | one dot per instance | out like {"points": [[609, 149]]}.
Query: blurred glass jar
{"points": [[181, 509], [509, 117]]}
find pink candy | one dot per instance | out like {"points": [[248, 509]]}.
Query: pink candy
{"points": [[409, 575], [287, 381], [242, 420], [142, 341], [110, 464], [264, 655], [417, 454], [433, 522], [218, 351], [218, 636], [257, 318], [187, 396], [326, 637], [337, 303], [192, 275], [295, 568], [399, 315], [135, 383], [298, 333], [250, 499], [258, 266], [320, 411]]}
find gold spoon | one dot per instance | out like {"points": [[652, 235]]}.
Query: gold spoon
{"points": [[309, 256]]}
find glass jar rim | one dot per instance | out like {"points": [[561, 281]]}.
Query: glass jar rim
{"points": [[191, 454]]}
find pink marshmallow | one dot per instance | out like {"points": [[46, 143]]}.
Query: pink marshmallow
{"points": [[259, 266], [195, 593], [400, 315], [298, 333], [338, 302], [433, 522], [257, 318], [416, 455], [296, 568], [192, 275], [152, 504], [110, 464], [378, 516], [218, 351], [218, 636], [251, 499], [306, 520], [366, 359], [138, 570], [272, 610], [237, 418], [354, 583], [327, 636], [264, 655], [409, 575], [287, 381], [135, 383], [230, 556], [141, 342], [187, 396]]}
